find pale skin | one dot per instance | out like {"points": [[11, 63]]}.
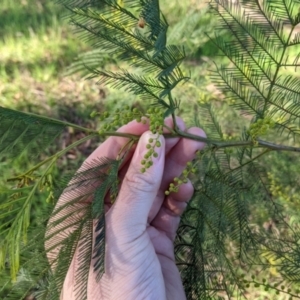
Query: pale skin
{"points": [[141, 225]]}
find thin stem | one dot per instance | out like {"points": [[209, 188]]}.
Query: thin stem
{"points": [[125, 149], [55, 156], [59, 122], [279, 64], [179, 133], [170, 129], [120, 134], [220, 144], [249, 161]]}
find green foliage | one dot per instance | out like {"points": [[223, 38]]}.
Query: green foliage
{"points": [[20, 132], [221, 234]]}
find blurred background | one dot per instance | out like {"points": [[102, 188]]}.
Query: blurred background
{"points": [[37, 47]]}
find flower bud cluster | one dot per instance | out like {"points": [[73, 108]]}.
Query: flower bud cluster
{"points": [[183, 178], [155, 117], [119, 118], [260, 127], [124, 116], [156, 120], [279, 288], [147, 159]]}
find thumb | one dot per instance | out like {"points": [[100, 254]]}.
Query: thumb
{"points": [[139, 189]]}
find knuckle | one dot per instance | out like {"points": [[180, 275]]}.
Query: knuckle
{"points": [[137, 181]]}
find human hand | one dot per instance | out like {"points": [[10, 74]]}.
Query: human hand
{"points": [[141, 225]]}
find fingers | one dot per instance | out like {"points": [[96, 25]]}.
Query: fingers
{"points": [[168, 217], [138, 190], [180, 155], [86, 179], [183, 152], [111, 147], [77, 196], [176, 203], [169, 145]]}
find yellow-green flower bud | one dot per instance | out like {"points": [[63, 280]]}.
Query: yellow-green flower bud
{"points": [[93, 114]]}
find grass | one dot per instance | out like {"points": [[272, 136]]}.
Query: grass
{"points": [[36, 46]]}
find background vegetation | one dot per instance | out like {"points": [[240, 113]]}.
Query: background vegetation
{"points": [[36, 47]]}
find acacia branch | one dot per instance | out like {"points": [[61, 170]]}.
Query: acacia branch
{"points": [[219, 144]]}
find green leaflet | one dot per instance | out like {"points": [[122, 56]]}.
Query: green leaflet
{"points": [[79, 204], [261, 49], [109, 184], [114, 27], [21, 132], [15, 220]]}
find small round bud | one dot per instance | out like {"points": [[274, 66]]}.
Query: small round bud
{"points": [[143, 162], [158, 144], [167, 193], [155, 154], [143, 170], [150, 140], [93, 114]]}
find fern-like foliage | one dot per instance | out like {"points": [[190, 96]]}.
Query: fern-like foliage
{"points": [[215, 233], [220, 236], [264, 54], [22, 132], [115, 29]]}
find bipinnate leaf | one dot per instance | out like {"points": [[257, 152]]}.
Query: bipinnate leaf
{"points": [[21, 132]]}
